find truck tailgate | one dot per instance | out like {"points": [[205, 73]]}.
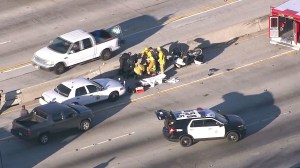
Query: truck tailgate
{"points": [[21, 128]]}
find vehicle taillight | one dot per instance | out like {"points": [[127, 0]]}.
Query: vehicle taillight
{"points": [[28, 133], [172, 130]]}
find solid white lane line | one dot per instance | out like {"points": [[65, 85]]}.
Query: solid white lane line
{"points": [[108, 140], [4, 42]]}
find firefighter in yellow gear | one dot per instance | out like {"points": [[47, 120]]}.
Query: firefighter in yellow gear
{"points": [[139, 69], [161, 60], [145, 51], [151, 68]]}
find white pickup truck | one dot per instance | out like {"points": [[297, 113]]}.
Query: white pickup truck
{"points": [[76, 47]]}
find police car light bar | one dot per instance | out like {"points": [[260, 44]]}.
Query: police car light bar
{"points": [[195, 113]]}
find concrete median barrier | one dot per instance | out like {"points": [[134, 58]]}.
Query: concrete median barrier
{"points": [[241, 29]]}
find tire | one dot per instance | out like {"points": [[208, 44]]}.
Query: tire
{"points": [[59, 68], [85, 125], [43, 138], [186, 141], [113, 96], [198, 51], [106, 54], [233, 136]]}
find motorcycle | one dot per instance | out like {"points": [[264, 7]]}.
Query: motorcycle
{"points": [[183, 58]]}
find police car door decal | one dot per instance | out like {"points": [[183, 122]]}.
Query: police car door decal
{"points": [[197, 129], [215, 130]]}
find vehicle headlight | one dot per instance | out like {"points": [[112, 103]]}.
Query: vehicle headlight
{"points": [[34, 57], [48, 62]]}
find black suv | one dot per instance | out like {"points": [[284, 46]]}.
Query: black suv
{"points": [[190, 125]]}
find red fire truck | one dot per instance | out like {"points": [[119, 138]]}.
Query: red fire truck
{"points": [[284, 24]]}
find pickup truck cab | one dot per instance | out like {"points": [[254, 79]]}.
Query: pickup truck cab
{"points": [[52, 118], [76, 47]]}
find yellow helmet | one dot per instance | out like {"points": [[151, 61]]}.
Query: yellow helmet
{"points": [[158, 49], [146, 49]]}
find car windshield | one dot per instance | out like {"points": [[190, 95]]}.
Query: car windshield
{"points": [[60, 45], [96, 84], [63, 90], [73, 109], [221, 118]]}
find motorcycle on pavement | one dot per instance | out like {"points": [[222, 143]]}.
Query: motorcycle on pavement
{"points": [[183, 58]]}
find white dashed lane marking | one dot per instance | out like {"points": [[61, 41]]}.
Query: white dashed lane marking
{"points": [[108, 140]]}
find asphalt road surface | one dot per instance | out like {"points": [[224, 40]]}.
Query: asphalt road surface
{"points": [[30, 25], [252, 78], [261, 87]]}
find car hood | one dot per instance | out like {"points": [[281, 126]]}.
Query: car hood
{"points": [[235, 120], [51, 94], [108, 83], [48, 54]]}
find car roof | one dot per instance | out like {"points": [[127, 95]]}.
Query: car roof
{"points": [[194, 113], [77, 82], [52, 107], [75, 35]]}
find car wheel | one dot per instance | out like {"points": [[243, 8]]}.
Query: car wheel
{"points": [[106, 54], [198, 51], [186, 141], [233, 136], [59, 68], [113, 96], [44, 138], [85, 125]]}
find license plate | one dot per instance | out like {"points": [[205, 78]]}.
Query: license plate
{"points": [[37, 67]]}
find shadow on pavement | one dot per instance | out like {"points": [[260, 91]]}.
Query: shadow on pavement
{"points": [[138, 29], [258, 111], [9, 99], [297, 165], [105, 164], [218, 48]]}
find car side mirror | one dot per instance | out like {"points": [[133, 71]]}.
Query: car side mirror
{"points": [[220, 124]]}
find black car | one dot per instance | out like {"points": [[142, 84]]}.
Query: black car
{"points": [[190, 125], [51, 118]]}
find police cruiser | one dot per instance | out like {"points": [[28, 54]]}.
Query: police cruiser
{"points": [[190, 125]]}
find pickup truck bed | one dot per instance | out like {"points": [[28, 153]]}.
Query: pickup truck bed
{"points": [[101, 36], [29, 120]]}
